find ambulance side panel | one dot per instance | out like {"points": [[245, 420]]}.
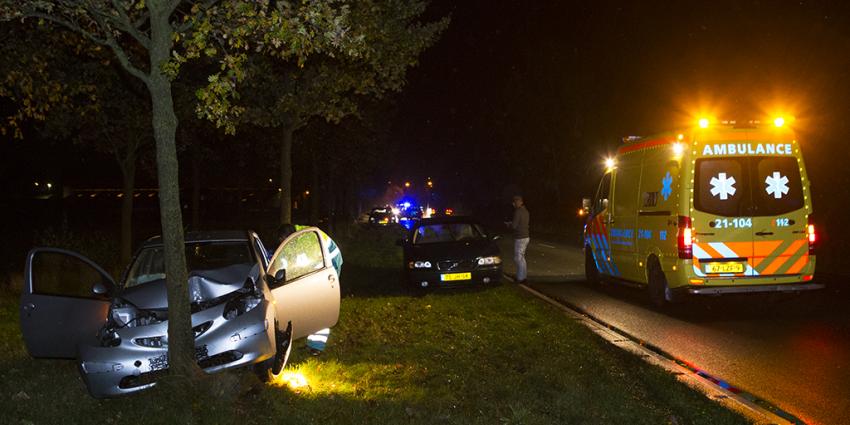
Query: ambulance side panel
{"points": [[622, 229], [659, 208]]}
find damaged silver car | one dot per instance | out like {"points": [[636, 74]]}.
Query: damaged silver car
{"points": [[246, 310]]}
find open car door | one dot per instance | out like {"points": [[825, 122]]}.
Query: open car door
{"points": [[59, 306], [305, 285]]}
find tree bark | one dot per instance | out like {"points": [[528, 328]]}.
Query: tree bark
{"points": [[181, 341], [315, 190], [286, 175], [128, 173], [196, 186]]}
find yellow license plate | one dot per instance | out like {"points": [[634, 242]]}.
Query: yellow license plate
{"points": [[729, 267], [455, 276]]}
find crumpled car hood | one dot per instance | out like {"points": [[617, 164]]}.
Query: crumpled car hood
{"points": [[204, 285]]}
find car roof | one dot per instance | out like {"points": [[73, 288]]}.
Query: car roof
{"points": [[205, 236], [447, 219]]}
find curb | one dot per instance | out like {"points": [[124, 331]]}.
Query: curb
{"points": [[711, 389]]}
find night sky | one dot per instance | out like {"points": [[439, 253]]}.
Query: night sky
{"points": [[536, 93], [529, 97]]}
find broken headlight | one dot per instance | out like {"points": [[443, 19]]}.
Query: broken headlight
{"points": [[109, 338], [241, 305]]}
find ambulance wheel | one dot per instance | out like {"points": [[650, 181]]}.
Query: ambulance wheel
{"points": [[659, 291], [591, 273]]}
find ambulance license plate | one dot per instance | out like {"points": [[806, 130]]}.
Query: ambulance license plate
{"points": [[455, 276], [725, 267]]}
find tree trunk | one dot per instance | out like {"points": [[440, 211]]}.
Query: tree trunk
{"points": [[315, 190], [286, 175], [196, 186], [181, 341], [331, 200], [128, 173]]}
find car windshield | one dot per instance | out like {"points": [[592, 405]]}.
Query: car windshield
{"points": [[150, 263], [748, 186], [447, 232]]}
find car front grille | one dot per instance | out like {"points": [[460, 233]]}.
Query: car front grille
{"points": [[220, 359], [145, 378], [452, 265]]}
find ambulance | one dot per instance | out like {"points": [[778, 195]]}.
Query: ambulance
{"points": [[720, 208]]}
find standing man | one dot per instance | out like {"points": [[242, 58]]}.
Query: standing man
{"points": [[519, 225]]}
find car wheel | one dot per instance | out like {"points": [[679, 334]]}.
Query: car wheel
{"points": [[591, 273], [659, 291]]}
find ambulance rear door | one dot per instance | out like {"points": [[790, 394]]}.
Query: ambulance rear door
{"points": [[779, 213], [721, 218]]}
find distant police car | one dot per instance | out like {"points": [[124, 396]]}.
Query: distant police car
{"points": [[712, 210]]}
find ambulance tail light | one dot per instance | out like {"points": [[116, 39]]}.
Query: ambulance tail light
{"points": [[812, 236], [685, 238]]}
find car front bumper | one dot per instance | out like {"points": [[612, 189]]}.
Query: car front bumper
{"points": [[225, 344], [433, 279]]}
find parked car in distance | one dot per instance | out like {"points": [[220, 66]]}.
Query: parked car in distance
{"points": [[383, 216], [450, 251], [246, 310]]}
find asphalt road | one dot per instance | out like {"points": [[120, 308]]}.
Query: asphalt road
{"points": [[792, 351]]}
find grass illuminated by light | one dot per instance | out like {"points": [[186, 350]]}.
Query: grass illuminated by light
{"points": [[291, 379]]}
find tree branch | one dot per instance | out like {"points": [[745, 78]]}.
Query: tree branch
{"points": [[186, 26], [67, 24], [119, 52], [125, 61], [124, 23]]}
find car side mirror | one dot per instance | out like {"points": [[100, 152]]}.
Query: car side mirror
{"points": [[99, 288], [277, 280]]}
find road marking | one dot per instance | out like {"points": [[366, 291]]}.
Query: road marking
{"points": [[547, 245], [706, 385]]}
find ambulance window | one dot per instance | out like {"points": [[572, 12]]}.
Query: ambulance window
{"points": [[720, 187], [601, 201], [777, 186]]}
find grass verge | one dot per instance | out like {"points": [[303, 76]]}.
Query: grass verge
{"points": [[464, 357]]}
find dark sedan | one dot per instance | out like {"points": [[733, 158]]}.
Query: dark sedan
{"points": [[450, 252]]}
